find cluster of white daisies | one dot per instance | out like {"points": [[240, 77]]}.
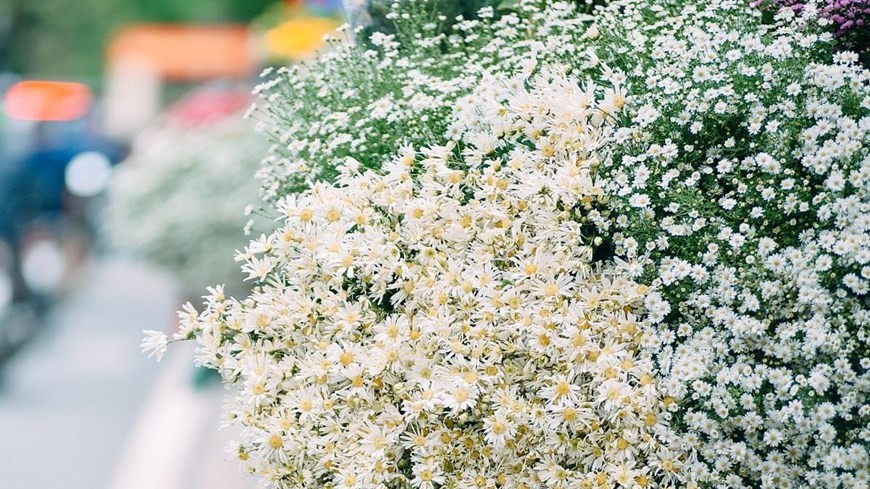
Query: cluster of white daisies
{"points": [[743, 180], [634, 255], [366, 99]]}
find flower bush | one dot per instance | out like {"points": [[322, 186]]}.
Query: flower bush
{"points": [[440, 323], [633, 253], [848, 17], [743, 182], [178, 199]]}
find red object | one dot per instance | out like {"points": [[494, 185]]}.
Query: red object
{"points": [[47, 100], [207, 105]]}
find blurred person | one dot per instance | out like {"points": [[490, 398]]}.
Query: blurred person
{"points": [[48, 228], [42, 176]]}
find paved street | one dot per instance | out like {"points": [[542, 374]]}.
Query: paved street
{"points": [[68, 400], [78, 404]]}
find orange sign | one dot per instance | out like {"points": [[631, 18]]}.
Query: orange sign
{"points": [[185, 52], [47, 100]]}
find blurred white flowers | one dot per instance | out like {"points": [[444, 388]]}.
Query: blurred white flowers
{"points": [[179, 199]]}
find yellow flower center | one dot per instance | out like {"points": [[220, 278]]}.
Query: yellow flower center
{"points": [[618, 101], [346, 358], [461, 395], [569, 414], [392, 331]]}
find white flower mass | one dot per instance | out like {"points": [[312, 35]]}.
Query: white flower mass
{"points": [[555, 250], [178, 200]]}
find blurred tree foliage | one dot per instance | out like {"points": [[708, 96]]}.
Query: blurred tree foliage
{"points": [[66, 38]]}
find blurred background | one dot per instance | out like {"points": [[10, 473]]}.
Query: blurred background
{"points": [[125, 168]]}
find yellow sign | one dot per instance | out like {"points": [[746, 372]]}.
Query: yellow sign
{"points": [[299, 38]]}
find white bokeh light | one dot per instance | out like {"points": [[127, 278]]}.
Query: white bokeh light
{"points": [[87, 174], [43, 266]]}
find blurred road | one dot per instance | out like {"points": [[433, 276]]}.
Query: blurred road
{"points": [[68, 400], [78, 404]]}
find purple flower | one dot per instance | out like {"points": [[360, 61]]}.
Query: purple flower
{"points": [[846, 15]]}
